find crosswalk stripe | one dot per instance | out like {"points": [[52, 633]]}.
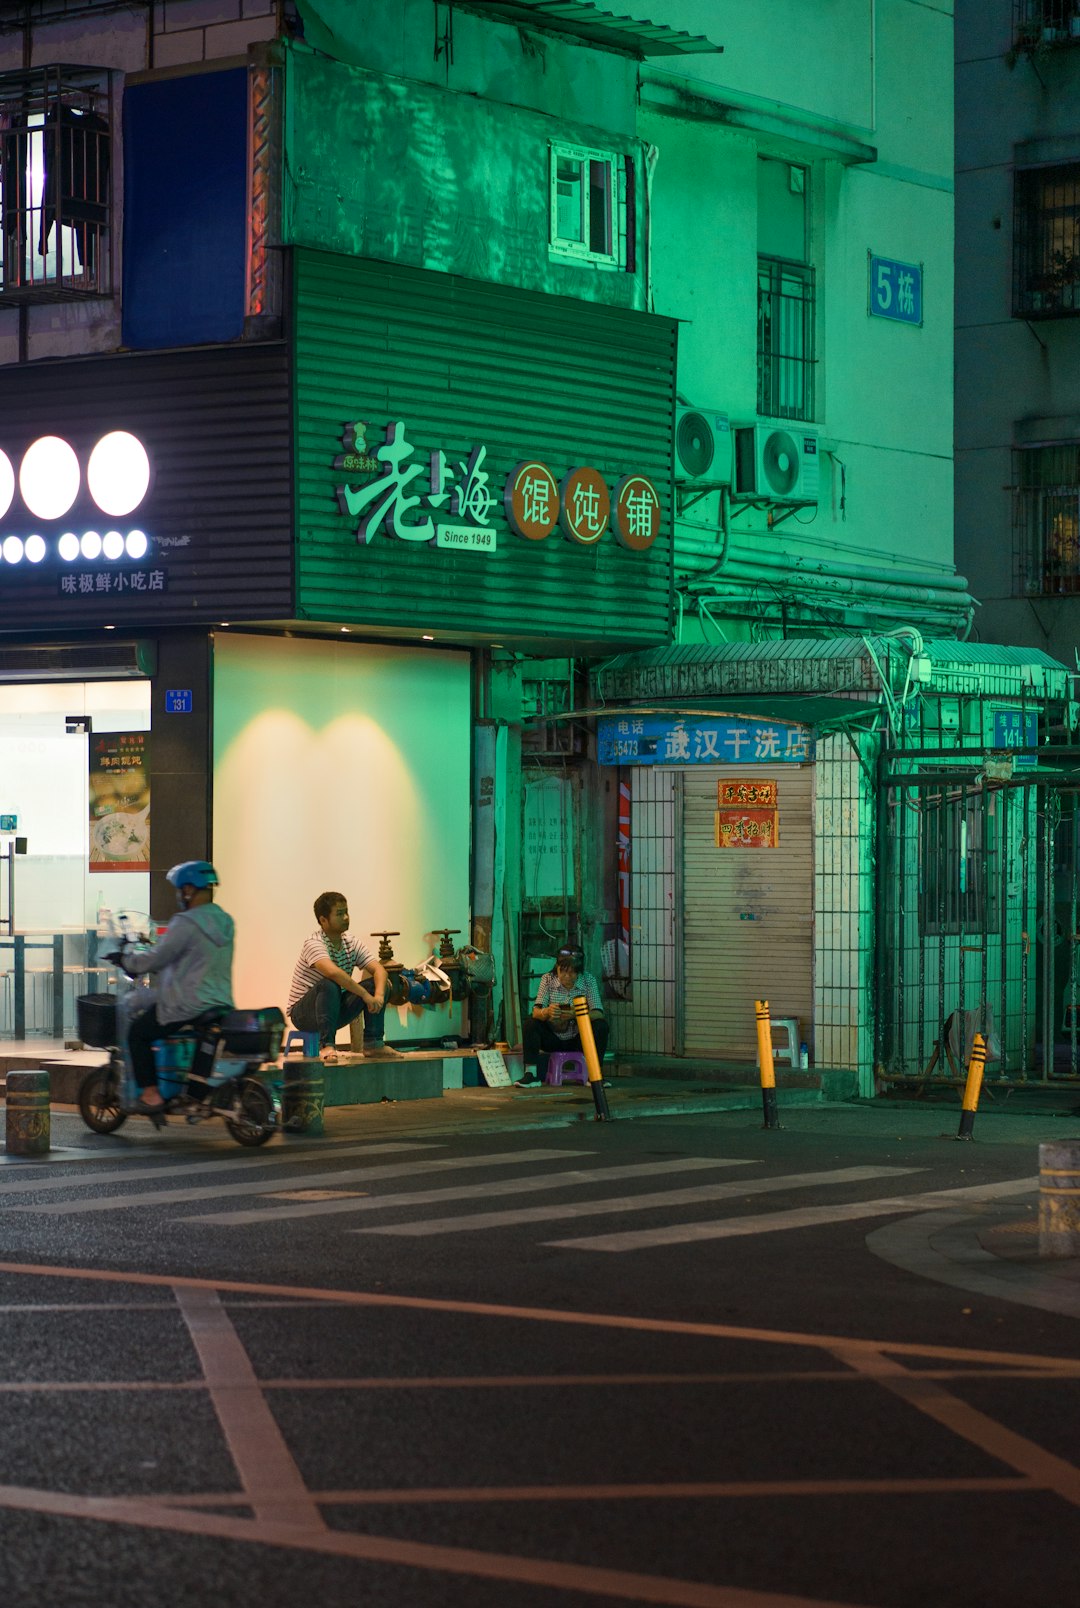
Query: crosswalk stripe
{"points": [[693, 1196], [534, 1184], [263, 1186], [186, 1169], [797, 1217]]}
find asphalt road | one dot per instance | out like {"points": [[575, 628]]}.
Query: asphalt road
{"points": [[677, 1361]]}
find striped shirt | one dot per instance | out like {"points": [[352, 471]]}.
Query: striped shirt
{"points": [[552, 992], [346, 953]]}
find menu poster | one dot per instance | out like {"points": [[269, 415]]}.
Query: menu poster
{"points": [[119, 801]]}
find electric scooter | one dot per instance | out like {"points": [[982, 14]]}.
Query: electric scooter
{"points": [[211, 1067]]}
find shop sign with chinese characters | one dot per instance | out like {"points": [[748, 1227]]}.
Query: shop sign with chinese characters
{"points": [[116, 583], [448, 502], [748, 814], [663, 740]]}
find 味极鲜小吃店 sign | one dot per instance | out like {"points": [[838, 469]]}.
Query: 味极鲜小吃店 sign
{"points": [[699, 740], [448, 502]]}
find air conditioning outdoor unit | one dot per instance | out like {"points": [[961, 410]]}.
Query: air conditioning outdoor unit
{"points": [[777, 462], [702, 447]]}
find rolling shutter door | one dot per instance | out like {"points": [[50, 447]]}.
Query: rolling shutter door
{"points": [[747, 916]]}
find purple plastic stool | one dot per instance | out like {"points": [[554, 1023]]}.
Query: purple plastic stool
{"points": [[566, 1066]]}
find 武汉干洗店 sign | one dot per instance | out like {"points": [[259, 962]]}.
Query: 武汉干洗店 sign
{"points": [[688, 740]]}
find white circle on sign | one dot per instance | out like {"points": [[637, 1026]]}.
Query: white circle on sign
{"points": [[118, 473], [136, 544], [112, 544], [49, 477], [90, 546], [7, 483], [68, 546], [13, 549], [35, 549]]}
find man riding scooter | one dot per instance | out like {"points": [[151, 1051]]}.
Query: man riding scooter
{"points": [[193, 965]]}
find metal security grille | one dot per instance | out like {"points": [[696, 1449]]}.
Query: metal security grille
{"points": [[54, 184], [1045, 22], [1046, 520], [748, 924], [977, 925], [1046, 242], [785, 339], [644, 1021]]}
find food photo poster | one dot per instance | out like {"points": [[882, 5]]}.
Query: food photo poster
{"points": [[119, 801]]}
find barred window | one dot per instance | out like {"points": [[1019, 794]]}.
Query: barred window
{"points": [[1041, 23], [1046, 520], [54, 184], [1046, 242], [785, 339]]}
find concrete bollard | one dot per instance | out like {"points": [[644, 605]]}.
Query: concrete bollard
{"points": [[1059, 1198], [28, 1116], [303, 1095]]}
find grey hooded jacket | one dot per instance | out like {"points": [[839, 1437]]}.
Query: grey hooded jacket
{"points": [[193, 961]]}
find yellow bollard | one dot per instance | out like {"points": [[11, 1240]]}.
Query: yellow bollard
{"points": [[592, 1060], [972, 1088], [765, 1062]]}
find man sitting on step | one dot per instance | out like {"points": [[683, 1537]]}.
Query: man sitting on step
{"points": [[325, 995]]}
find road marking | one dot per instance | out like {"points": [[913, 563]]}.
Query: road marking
{"points": [[798, 1217], [977, 1428], [694, 1195], [582, 1578], [264, 1186], [559, 1316], [270, 1478], [186, 1169], [508, 1186]]}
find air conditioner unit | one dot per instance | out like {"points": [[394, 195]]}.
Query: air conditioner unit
{"points": [[777, 462], [702, 447]]}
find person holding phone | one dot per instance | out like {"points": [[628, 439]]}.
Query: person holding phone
{"points": [[554, 1025]]}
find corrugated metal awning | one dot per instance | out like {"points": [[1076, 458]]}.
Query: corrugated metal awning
{"points": [[586, 20], [821, 713]]}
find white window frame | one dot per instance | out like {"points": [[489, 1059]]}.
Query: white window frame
{"points": [[579, 251]]}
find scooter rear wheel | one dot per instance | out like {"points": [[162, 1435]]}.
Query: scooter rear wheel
{"points": [[252, 1119], [99, 1099]]}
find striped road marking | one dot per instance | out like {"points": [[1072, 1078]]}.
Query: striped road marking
{"points": [[693, 1196], [186, 1169], [264, 1186], [534, 1184], [799, 1217]]}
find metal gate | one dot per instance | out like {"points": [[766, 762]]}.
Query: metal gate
{"points": [[977, 916]]}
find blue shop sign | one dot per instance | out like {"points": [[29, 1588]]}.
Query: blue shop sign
{"points": [[895, 290], [1017, 728], [693, 740]]}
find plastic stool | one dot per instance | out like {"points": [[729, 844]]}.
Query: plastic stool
{"points": [[309, 1044], [566, 1066], [790, 1026]]}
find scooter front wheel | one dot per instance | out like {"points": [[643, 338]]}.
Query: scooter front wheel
{"points": [[252, 1119], [99, 1099]]}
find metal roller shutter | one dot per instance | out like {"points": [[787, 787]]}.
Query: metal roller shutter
{"points": [[747, 917]]}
